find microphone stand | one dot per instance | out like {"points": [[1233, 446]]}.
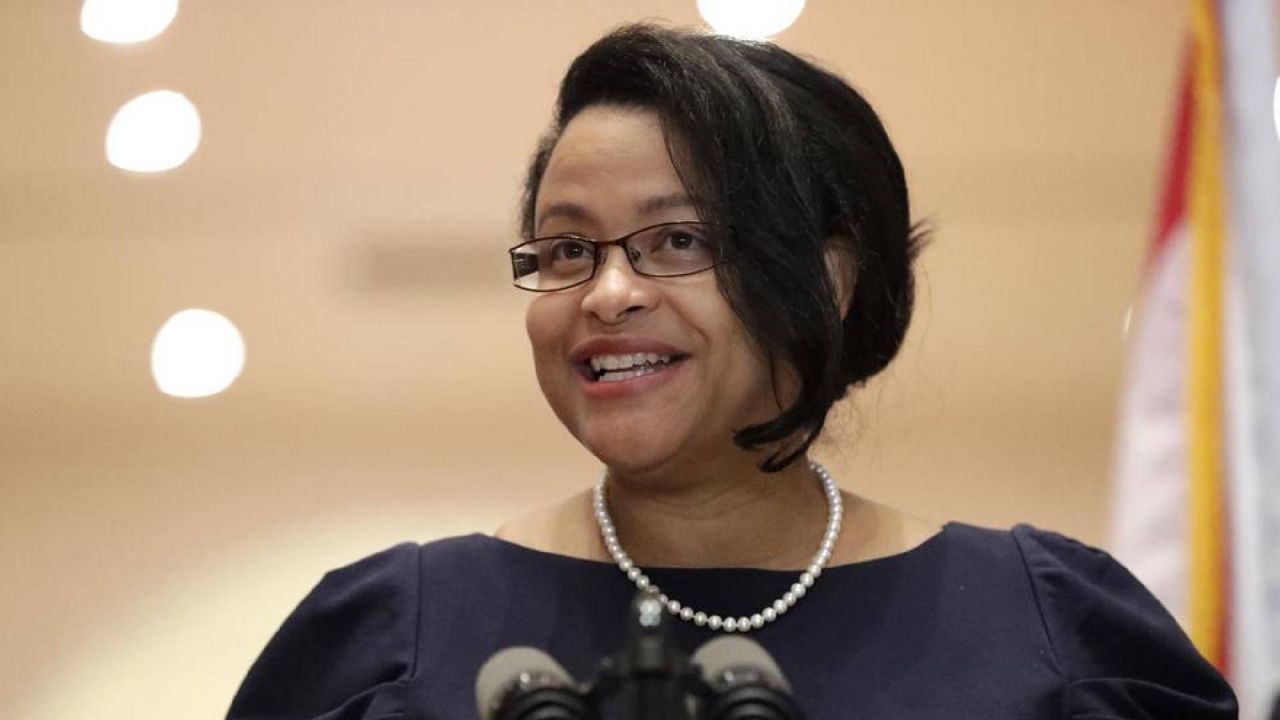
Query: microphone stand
{"points": [[655, 677]]}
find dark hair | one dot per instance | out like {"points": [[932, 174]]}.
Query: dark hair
{"points": [[790, 156]]}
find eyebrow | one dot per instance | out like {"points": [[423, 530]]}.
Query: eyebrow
{"points": [[649, 206], [665, 202]]}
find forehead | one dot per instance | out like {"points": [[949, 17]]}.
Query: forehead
{"points": [[608, 162]]}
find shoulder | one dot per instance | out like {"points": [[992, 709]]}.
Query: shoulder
{"points": [[1081, 589], [352, 644], [399, 570], [384, 565], [1073, 584], [1079, 586], [1043, 555], [1121, 651], [349, 642]]}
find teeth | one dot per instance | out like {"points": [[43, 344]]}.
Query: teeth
{"points": [[614, 363], [627, 374], [621, 364]]}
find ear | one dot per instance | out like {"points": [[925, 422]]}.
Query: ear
{"points": [[843, 272]]}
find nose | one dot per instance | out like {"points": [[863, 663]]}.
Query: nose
{"points": [[617, 293]]}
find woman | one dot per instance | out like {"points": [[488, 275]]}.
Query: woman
{"points": [[719, 244]]}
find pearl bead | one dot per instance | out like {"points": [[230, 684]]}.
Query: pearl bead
{"points": [[700, 619], [769, 614], [642, 582], [633, 572], [806, 579], [789, 597], [686, 613], [798, 590], [627, 566], [730, 624], [780, 605], [714, 622], [757, 620]]}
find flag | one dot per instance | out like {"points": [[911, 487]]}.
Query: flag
{"points": [[1196, 501]]}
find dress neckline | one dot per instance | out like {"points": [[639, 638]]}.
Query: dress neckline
{"points": [[924, 548]]}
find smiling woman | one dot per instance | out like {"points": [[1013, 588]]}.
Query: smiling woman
{"points": [[718, 240], [610, 164]]}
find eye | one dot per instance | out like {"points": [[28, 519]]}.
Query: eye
{"points": [[683, 239], [570, 249]]}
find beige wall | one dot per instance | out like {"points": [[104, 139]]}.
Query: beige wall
{"points": [[348, 209]]}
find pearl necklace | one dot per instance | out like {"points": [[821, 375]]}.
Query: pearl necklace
{"points": [[835, 512]]}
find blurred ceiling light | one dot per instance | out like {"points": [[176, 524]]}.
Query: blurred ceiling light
{"points": [[750, 19], [197, 353], [1276, 102], [126, 21], [155, 131]]}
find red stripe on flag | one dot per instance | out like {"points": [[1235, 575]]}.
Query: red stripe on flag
{"points": [[1173, 199]]}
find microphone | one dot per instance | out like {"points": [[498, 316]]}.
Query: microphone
{"points": [[745, 683], [728, 678], [524, 683]]}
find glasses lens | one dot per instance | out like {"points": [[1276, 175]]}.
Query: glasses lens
{"points": [[552, 263], [676, 248]]}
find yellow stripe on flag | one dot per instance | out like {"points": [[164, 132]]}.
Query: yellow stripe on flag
{"points": [[1204, 390]]}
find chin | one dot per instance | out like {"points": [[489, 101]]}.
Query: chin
{"points": [[630, 450]]}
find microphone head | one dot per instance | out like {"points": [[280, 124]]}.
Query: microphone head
{"points": [[729, 660], [514, 668]]}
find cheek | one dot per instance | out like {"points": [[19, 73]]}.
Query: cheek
{"points": [[738, 371], [534, 323], [546, 324], [751, 377], [539, 328]]}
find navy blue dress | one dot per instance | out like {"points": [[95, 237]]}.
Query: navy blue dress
{"points": [[973, 623]]}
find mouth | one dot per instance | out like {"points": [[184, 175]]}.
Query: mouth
{"points": [[620, 368]]}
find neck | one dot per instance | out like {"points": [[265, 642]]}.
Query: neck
{"points": [[719, 515]]}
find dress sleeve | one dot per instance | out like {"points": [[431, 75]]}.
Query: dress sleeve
{"points": [[1124, 656], [346, 652]]}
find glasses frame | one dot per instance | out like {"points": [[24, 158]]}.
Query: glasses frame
{"points": [[600, 246]]}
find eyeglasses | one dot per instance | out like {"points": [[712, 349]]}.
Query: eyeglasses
{"points": [[669, 249]]}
